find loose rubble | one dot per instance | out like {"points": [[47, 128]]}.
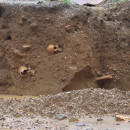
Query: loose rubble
{"points": [[68, 108]]}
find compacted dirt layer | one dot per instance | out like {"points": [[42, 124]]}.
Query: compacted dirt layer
{"points": [[93, 42], [91, 109]]}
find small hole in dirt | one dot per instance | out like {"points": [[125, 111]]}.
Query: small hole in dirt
{"points": [[88, 14], [104, 83], [8, 38], [101, 21], [5, 27], [1, 11], [90, 5]]}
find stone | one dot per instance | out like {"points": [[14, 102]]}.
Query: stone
{"points": [[117, 124], [80, 124], [33, 26], [99, 119], [18, 53], [60, 116], [17, 115], [68, 27], [72, 119], [2, 118], [26, 47], [22, 19]]}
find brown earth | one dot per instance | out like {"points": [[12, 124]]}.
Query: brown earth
{"points": [[95, 42]]}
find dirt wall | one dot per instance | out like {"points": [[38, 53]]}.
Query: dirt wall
{"points": [[94, 41]]}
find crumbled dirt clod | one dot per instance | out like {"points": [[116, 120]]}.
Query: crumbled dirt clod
{"points": [[33, 26], [68, 27]]}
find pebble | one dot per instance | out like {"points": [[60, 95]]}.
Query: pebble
{"points": [[89, 129], [99, 119], [117, 124], [73, 119], [60, 117], [2, 118], [33, 26], [32, 117], [80, 124], [68, 27], [18, 121], [26, 47]]}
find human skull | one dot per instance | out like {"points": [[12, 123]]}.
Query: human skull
{"points": [[53, 49], [23, 70]]}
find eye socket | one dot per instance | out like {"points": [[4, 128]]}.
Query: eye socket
{"points": [[24, 72], [55, 47], [8, 38]]}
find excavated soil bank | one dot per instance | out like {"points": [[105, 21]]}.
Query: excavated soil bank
{"points": [[95, 42]]}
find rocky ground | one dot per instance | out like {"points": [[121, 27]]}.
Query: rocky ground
{"points": [[90, 109]]}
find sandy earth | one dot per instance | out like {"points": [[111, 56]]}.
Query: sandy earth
{"points": [[94, 42], [38, 122]]}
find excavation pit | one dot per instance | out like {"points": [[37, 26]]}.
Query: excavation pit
{"points": [[99, 40]]}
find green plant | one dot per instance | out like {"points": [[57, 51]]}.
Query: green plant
{"points": [[67, 1], [121, 0], [118, 0]]}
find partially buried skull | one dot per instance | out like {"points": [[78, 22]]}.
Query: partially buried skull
{"points": [[53, 49], [23, 70]]}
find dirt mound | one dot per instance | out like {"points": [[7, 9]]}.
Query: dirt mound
{"points": [[80, 102], [94, 41], [95, 107]]}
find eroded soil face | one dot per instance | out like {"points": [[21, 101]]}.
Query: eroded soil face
{"points": [[95, 42]]}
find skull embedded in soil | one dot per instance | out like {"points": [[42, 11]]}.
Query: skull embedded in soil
{"points": [[23, 70], [53, 49]]}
